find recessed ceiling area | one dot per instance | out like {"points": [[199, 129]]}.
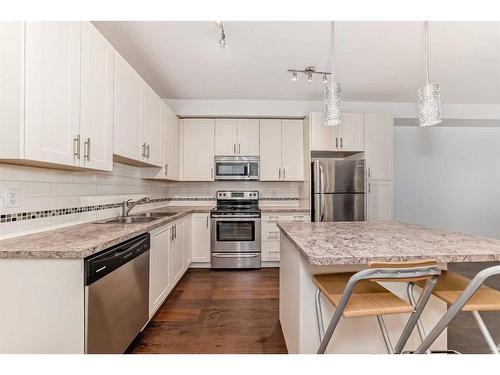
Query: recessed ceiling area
{"points": [[375, 61]]}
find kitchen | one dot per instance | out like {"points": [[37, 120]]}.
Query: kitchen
{"points": [[199, 220]]}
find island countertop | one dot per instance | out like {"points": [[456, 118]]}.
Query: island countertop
{"points": [[343, 243]]}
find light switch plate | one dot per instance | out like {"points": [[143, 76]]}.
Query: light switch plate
{"points": [[11, 198]]}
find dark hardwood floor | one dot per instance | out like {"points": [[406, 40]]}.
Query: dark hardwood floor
{"points": [[217, 312]]}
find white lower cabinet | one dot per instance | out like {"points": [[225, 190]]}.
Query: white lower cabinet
{"points": [[200, 237], [380, 201], [270, 235], [160, 281], [169, 258]]}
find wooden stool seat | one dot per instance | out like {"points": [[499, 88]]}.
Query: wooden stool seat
{"points": [[368, 298], [451, 285]]}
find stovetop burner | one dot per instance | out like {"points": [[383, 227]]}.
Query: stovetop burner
{"points": [[234, 203]]}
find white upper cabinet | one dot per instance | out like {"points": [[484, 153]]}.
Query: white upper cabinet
{"points": [[237, 137], [151, 124], [226, 137], [198, 149], [348, 136], [380, 201], [379, 142], [248, 137], [270, 150], [171, 141], [127, 111], [52, 92], [281, 150], [292, 150], [96, 128]]}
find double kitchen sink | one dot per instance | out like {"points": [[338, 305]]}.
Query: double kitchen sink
{"points": [[144, 217]]}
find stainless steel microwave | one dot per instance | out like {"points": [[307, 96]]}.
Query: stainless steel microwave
{"points": [[236, 168]]}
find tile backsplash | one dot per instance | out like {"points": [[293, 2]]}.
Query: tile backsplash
{"points": [[50, 198]]}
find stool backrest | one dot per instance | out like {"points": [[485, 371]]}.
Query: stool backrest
{"points": [[410, 271]]}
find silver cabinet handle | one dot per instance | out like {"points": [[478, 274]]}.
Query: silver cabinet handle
{"points": [[171, 233], [144, 150], [76, 146], [284, 175], [207, 221], [369, 172], [239, 148], [175, 231], [341, 146], [280, 173], [166, 170], [235, 256], [234, 148], [369, 188], [273, 218], [336, 142], [147, 147], [86, 149]]}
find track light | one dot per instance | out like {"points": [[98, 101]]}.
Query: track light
{"points": [[308, 71]]}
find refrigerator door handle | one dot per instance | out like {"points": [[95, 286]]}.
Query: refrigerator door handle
{"points": [[322, 193]]}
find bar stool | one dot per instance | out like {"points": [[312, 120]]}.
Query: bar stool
{"points": [[359, 295], [464, 294]]}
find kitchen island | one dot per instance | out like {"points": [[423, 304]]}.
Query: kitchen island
{"points": [[316, 248]]}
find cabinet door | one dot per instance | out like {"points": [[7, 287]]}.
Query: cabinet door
{"points": [[226, 137], [198, 149], [160, 280], [379, 145], [177, 252], [52, 91], [323, 138], [248, 137], [380, 201], [127, 111], [11, 89], [97, 99], [292, 150], [270, 150], [200, 238], [171, 144], [352, 132], [151, 121]]}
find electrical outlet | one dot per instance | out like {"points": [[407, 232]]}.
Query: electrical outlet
{"points": [[11, 199]]}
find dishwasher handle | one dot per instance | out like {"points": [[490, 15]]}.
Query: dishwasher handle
{"points": [[105, 262]]}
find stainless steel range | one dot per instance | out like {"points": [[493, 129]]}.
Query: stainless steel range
{"points": [[235, 235]]}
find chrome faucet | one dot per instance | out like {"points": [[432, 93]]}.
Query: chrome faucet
{"points": [[129, 204]]}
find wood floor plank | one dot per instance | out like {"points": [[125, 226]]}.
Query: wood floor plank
{"points": [[217, 312]]}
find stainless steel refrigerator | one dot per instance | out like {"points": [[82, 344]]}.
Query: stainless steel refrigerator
{"points": [[338, 190]]}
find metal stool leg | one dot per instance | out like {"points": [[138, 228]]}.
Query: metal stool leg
{"points": [[319, 315], [385, 334], [420, 326], [485, 332]]}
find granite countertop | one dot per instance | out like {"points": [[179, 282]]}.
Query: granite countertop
{"points": [[265, 209], [361, 242], [83, 240]]}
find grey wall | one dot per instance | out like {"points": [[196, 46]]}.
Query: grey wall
{"points": [[449, 176]]}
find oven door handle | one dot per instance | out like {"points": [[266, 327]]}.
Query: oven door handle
{"points": [[235, 255]]}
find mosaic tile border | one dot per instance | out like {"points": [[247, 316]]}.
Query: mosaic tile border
{"points": [[31, 215]]}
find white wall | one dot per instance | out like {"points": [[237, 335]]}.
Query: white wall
{"points": [[449, 177]]}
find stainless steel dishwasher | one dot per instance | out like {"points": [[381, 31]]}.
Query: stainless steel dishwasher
{"points": [[116, 295]]}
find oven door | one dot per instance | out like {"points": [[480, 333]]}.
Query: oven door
{"points": [[235, 235]]}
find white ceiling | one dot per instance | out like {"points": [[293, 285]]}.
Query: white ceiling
{"points": [[375, 61]]}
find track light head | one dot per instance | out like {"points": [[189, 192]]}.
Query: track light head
{"points": [[325, 79], [294, 76], [222, 40], [309, 77]]}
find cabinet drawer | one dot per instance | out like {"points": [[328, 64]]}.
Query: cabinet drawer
{"points": [[289, 217]]}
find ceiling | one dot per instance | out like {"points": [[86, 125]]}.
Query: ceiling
{"points": [[375, 61]]}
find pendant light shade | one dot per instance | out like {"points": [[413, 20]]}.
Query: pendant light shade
{"points": [[332, 95], [428, 96]]}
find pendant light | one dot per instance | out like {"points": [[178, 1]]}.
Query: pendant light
{"points": [[332, 94], [429, 97]]}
